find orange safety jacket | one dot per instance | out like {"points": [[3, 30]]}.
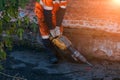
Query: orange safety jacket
{"points": [[48, 5]]}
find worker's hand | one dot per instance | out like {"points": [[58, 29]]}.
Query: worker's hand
{"points": [[57, 31], [52, 32]]}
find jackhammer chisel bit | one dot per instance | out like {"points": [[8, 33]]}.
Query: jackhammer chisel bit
{"points": [[78, 56]]}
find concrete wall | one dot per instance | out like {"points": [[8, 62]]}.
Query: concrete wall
{"points": [[93, 26], [98, 14], [95, 44]]}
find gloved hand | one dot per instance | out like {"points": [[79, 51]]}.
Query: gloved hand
{"points": [[57, 31], [52, 32]]}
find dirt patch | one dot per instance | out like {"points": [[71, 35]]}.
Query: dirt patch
{"points": [[33, 65]]}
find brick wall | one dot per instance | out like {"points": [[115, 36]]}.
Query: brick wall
{"points": [[98, 14]]}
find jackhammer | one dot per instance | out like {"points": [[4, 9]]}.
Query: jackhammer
{"points": [[64, 43]]}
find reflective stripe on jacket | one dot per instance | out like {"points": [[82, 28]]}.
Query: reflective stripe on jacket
{"points": [[48, 5]]}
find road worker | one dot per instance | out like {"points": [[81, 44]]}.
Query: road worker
{"points": [[50, 14]]}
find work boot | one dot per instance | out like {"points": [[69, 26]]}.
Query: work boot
{"points": [[50, 50], [53, 60]]}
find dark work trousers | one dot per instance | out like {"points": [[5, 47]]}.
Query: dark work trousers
{"points": [[48, 18], [59, 16], [49, 47]]}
